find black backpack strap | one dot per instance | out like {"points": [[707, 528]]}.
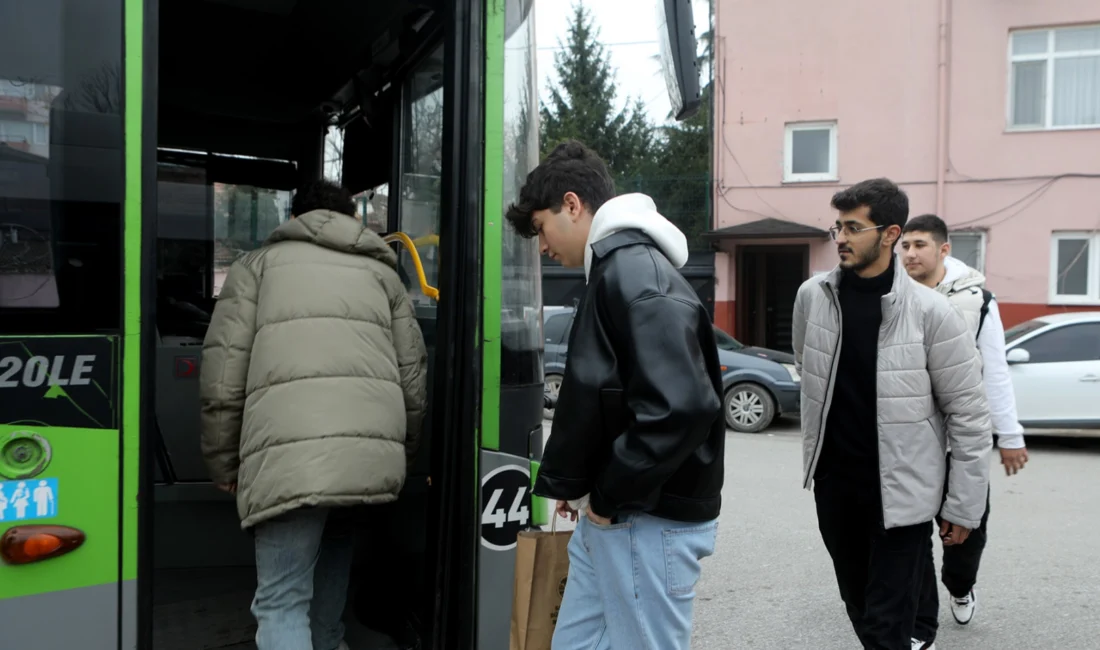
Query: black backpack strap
{"points": [[986, 297]]}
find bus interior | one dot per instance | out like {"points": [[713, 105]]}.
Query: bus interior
{"points": [[253, 98]]}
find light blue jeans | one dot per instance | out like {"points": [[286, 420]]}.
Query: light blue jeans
{"points": [[631, 585], [303, 562]]}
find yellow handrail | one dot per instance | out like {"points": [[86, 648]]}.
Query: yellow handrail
{"points": [[426, 240], [428, 290]]}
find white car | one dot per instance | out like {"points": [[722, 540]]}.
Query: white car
{"points": [[1054, 361]]}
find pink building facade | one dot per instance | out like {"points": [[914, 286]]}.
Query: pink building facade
{"points": [[986, 112]]}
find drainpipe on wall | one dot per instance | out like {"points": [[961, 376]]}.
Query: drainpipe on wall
{"points": [[942, 114], [717, 108]]}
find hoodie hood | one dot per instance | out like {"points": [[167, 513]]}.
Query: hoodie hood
{"points": [[958, 276], [636, 212], [336, 231]]}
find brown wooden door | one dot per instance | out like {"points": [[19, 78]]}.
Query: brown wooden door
{"points": [[768, 281]]}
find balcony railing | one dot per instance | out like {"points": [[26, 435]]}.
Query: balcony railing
{"points": [[19, 144], [13, 105]]}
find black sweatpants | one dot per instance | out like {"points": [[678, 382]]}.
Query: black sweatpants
{"points": [[959, 573], [879, 572]]}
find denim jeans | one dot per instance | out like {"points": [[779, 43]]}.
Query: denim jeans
{"points": [[303, 561], [631, 585]]}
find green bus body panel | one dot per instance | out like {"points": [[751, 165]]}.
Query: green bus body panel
{"points": [[81, 459], [539, 505], [132, 244], [494, 217]]}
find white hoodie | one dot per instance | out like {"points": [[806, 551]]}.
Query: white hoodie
{"points": [[995, 374], [638, 212]]}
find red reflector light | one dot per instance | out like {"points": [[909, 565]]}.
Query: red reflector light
{"points": [[26, 544]]}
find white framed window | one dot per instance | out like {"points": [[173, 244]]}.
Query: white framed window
{"points": [[968, 246], [810, 152], [1054, 78], [16, 131], [1075, 268]]}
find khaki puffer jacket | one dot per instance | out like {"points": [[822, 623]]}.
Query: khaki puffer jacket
{"points": [[930, 393], [314, 372]]}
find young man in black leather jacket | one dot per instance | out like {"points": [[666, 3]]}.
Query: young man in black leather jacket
{"points": [[637, 446]]}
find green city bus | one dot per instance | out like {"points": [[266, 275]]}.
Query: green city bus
{"points": [[144, 145]]}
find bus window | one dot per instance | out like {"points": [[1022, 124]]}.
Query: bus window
{"points": [[521, 277], [422, 168], [202, 227], [333, 168], [60, 166], [243, 218], [373, 206]]}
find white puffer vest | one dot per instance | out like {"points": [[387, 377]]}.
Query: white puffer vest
{"points": [[963, 287]]}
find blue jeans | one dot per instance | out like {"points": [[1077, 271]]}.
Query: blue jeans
{"points": [[303, 561], [631, 585]]}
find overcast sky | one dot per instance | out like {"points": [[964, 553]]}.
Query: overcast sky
{"points": [[628, 28]]}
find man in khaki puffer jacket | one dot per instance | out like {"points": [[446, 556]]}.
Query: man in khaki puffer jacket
{"points": [[313, 392]]}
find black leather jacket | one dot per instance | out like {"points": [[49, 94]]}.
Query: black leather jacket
{"points": [[638, 421]]}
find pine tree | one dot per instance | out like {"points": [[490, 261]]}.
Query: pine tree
{"points": [[582, 105], [679, 180], [678, 176]]}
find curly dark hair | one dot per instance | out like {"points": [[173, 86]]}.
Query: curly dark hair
{"points": [[888, 203], [322, 195], [570, 167]]}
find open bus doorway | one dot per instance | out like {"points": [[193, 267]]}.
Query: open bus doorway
{"points": [[240, 126]]}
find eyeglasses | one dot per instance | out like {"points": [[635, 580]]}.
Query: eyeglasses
{"points": [[849, 230]]}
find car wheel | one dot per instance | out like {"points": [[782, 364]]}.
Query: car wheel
{"points": [[553, 385], [749, 408]]}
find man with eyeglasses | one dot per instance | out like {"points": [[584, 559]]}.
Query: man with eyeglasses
{"points": [[890, 376]]}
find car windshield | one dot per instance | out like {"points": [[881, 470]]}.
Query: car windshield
{"points": [[1026, 327], [726, 342]]}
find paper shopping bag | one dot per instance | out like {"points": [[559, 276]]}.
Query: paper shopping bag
{"points": [[542, 566]]}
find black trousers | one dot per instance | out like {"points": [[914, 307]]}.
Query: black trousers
{"points": [[879, 572], [959, 573]]}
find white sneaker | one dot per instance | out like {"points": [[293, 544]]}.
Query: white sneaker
{"points": [[921, 645], [963, 608]]}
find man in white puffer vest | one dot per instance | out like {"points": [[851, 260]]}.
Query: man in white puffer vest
{"points": [[926, 254]]}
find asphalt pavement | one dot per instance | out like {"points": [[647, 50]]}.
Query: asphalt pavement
{"points": [[770, 583]]}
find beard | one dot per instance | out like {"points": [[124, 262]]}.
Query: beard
{"points": [[859, 259]]}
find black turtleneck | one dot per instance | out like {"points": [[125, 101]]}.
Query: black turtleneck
{"points": [[851, 431]]}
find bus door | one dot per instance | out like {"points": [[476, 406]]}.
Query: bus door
{"points": [[67, 420], [407, 212], [512, 369]]}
